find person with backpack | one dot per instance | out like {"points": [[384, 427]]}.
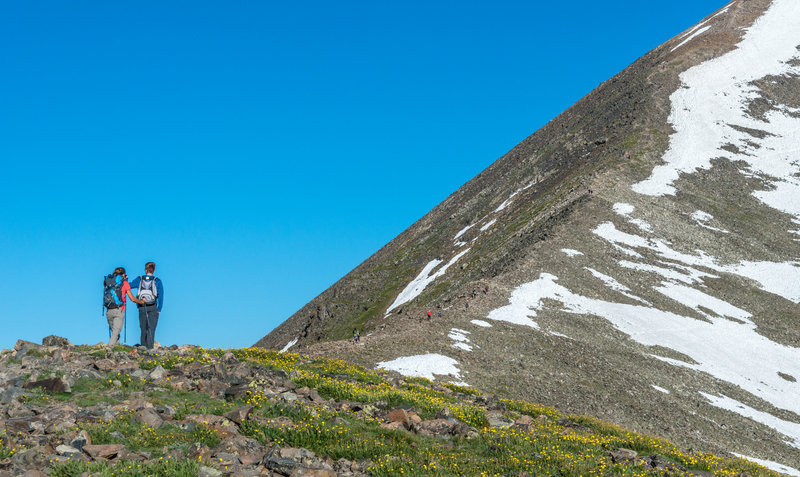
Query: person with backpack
{"points": [[150, 297], [115, 292]]}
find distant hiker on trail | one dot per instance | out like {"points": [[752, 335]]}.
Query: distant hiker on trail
{"points": [[439, 314], [486, 290], [116, 290], [474, 293], [429, 315], [356, 336], [151, 299]]}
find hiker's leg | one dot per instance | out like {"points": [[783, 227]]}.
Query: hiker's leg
{"points": [[115, 318], [152, 321], [142, 326]]}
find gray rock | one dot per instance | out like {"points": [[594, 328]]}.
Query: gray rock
{"points": [[11, 394], [312, 472], [81, 440], [497, 419], [54, 340], [157, 373], [149, 417], [623, 455], [22, 347], [67, 450], [51, 385], [205, 471], [239, 415], [281, 465]]}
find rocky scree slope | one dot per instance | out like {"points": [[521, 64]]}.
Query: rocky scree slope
{"points": [[640, 252], [184, 411]]}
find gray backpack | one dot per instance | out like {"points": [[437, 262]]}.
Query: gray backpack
{"points": [[147, 291]]}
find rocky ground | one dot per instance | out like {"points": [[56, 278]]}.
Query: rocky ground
{"points": [[87, 410]]}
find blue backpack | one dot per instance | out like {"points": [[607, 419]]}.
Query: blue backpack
{"points": [[112, 292]]}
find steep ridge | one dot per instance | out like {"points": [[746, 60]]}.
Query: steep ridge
{"points": [[640, 252]]}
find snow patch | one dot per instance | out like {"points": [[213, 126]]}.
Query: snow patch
{"points": [[702, 217], [779, 278], [288, 345], [571, 253], [424, 366], [787, 428], [710, 111], [425, 278], [728, 350], [780, 468], [485, 227], [694, 299], [613, 284], [481, 323], [690, 37], [463, 231], [660, 389]]}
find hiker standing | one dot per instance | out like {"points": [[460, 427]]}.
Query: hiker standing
{"points": [[117, 290], [356, 335], [151, 299], [429, 315]]}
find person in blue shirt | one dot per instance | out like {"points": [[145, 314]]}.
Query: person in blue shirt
{"points": [[150, 297]]}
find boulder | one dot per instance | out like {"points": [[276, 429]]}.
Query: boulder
{"points": [[54, 340], [22, 347], [398, 415], [205, 471], [435, 427], [149, 417], [623, 455], [11, 394], [81, 440], [157, 374], [19, 425], [497, 419], [34, 473], [239, 415], [281, 465], [67, 450], [311, 472], [51, 385], [103, 451], [104, 365]]}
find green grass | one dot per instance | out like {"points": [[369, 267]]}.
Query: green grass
{"points": [[167, 468], [136, 436], [189, 402]]}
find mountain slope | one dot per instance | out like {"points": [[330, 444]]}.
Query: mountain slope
{"points": [[641, 253]]}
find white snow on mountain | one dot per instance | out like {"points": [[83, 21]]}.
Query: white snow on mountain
{"points": [[780, 468], [702, 219], [789, 429], [710, 111], [425, 278], [288, 345], [691, 37], [729, 350], [613, 284], [425, 366]]}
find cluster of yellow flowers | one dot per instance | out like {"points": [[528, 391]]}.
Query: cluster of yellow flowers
{"points": [[7, 449]]}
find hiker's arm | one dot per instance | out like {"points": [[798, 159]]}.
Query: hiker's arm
{"points": [[160, 291], [133, 298]]}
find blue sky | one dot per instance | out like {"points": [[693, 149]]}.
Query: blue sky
{"points": [[258, 151]]}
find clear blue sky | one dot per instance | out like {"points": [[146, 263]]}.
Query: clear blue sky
{"points": [[258, 151]]}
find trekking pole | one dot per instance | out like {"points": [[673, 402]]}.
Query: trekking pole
{"points": [[125, 325]]}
